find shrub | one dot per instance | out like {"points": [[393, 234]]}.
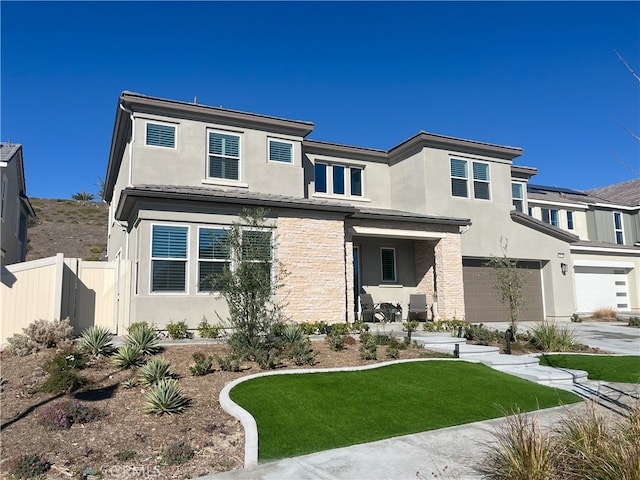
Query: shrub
{"points": [[143, 336], [61, 415], [29, 466], [359, 327], [575, 318], [228, 363], [154, 370], [125, 455], [166, 397], [49, 334], [177, 453], [341, 328], [63, 372], [307, 328], [634, 321], [128, 356], [605, 313], [393, 352], [205, 330], [411, 326], [320, 327], [336, 340], [178, 330], [202, 366], [550, 337], [267, 359], [382, 338], [22, 345], [480, 334], [96, 341], [301, 352], [522, 451], [368, 347]]}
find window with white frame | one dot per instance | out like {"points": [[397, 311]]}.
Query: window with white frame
{"points": [[257, 250], [160, 135], [460, 179], [3, 197], [224, 156], [337, 179], [570, 220], [213, 257], [550, 216], [517, 195], [280, 151], [618, 228], [169, 258], [388, 260]]}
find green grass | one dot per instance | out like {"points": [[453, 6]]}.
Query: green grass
{"points": [[304, 413], [624, 369]]}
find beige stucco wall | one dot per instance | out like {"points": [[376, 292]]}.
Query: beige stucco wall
{"points": [[187, 163], [579, 217]]}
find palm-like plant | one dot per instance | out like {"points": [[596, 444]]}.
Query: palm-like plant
{"points": [[166, 397], [144, 337], [155, 370], [83, 196], [128, 356], [96, 341]]}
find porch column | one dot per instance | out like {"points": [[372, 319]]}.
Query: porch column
{"points": [[425, 268], [449, 281]]}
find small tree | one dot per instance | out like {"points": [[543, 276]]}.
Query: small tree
{"points": [[509, 284], [249, 284]]}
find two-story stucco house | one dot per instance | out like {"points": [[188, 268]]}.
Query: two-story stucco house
{"points": [[606, 259], [15, 208], [421, 217]]}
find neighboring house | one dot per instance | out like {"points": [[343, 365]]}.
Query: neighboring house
{"points": [[15, 208], [606, 259], [422, 217]]}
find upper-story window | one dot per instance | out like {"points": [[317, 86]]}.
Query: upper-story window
{"points": [[224, 156], [517, 195], [338, 179], [618, 228], [550, 216], [280, 151], [460, 179], [169, 256], [570, 220], [160, 135]]}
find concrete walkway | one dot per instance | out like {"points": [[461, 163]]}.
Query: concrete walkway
{"points": [[457, 452]]}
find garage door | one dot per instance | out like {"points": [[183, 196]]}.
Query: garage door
{"points": [[599, 287], [482, 301]]}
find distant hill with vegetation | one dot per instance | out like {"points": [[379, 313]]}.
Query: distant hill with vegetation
{"points": [[78, 229]]}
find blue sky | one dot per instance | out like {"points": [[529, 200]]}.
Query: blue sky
{"points": [[538, 75]]}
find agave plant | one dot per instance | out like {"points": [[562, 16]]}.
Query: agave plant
{"points": [[166, 397], [96, 341], [292, 333], [128, 356], [154, 370], [144, 337]]}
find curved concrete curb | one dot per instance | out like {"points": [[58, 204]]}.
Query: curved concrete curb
{"points": [[249, 423]]}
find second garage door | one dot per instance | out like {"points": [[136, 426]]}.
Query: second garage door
{"points": [[482, 301]]}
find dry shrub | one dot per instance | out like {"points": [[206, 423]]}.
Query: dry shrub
{"points": [[50, 334], [605, 312], [584, 445]]}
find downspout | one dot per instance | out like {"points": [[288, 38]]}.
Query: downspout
{"points": [[130, 175]]}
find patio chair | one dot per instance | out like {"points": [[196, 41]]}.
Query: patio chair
{"points": [[417, 307], [370, 311]]}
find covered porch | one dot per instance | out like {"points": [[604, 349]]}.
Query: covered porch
{"points": [[393, 256]]}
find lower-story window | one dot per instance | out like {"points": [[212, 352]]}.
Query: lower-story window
{"points": [[213, 257], [169, 255], [388, 257]]}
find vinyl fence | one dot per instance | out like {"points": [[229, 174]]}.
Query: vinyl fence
{"points": [[88, 293]]}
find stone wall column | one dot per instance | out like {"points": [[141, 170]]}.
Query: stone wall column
{"points": [[312, 252], [449, 281], [425, 268]]}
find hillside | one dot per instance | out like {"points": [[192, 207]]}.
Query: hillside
{"points": [[76, 229]]}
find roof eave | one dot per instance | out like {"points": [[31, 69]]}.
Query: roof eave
{"points": [[542, 227]]}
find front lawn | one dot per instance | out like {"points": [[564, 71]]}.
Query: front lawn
{"points": [[304, 413], [625, 369]]}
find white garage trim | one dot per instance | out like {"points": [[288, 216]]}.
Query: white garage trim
{"points": [[602, 264]]}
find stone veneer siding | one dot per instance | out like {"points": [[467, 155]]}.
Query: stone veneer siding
{"points": [[425, 268], [312, 252], [449, 281]]}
